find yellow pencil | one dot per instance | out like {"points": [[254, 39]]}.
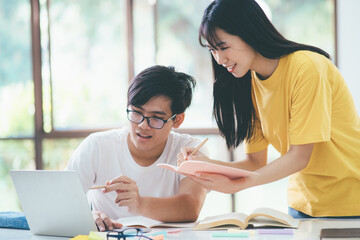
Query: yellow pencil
{"points": [[198, 147]]}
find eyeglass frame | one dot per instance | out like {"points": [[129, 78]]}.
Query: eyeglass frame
{"points": [[120, 234], [148, 118]]}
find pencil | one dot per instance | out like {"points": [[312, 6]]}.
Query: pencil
{"points": [[98, 187], [198, 147]]}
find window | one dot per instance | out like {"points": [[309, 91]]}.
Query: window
{"points": [[87, 63], [16, 96]]}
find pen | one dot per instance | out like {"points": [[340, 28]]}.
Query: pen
{"points": [[198, 147]]}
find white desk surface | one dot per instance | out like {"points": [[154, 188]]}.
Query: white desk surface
{"points": [[309, 230]]}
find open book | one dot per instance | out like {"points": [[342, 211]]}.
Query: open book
{"points": [[191, 167], [258, 217], [140, 221]]}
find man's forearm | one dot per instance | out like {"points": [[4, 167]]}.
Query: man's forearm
{"points": [[179, 208]]}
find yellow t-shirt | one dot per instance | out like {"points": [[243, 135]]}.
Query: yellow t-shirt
{"points": [[306, 100]]}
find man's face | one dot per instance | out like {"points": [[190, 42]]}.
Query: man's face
{"points": [[144, 138]]}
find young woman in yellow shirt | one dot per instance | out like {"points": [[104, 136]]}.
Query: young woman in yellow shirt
{"points": [[269, 90]]}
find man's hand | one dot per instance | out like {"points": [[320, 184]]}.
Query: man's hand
{"points": [[104, 222], [127, 193]]}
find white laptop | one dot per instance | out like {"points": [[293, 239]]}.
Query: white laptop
{"points": [[54, 202]]}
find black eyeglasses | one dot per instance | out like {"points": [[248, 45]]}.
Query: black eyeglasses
{"points": [[153, 122], [127, 233]]}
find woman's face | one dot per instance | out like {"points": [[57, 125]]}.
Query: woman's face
{"points": [[233, 53]]}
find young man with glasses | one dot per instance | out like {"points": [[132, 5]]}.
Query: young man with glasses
{"points": [[125, 159]]}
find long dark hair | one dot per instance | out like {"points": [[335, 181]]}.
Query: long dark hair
{"points": [[233, 106]]}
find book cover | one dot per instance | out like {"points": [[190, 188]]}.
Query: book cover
{"points": [[191, 167]]}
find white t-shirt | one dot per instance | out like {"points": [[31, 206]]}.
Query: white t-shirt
{"points": [[104, 156]]}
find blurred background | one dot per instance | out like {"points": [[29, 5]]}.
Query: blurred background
{"points": [[65, 67]]}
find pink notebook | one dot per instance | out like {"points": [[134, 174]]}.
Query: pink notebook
{"points": [[191, 167]]}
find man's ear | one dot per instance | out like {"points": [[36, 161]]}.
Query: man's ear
{"points": [[178, 120]]}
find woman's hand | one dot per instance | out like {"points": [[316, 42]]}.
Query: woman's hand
{"points": [[186, 151], [103, 222], [220, 183]]}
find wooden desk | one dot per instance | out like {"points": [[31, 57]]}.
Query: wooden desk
{"points": [[309, 230]]}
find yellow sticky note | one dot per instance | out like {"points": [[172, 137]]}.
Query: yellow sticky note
{"points": [[80, 237], [97, 236]]}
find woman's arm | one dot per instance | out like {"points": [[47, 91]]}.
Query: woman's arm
{"points": [[252, 162], [293, 161]]}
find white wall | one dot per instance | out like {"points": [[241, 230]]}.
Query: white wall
{"points": [[348, 44]]}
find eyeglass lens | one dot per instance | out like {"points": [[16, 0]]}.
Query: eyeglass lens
{"points": [[152, 121]]}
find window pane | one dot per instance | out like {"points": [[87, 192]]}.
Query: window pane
{"points": [[57, 152], [144, 51], [178, 22], [14, 154], [88, 62], [306, 21], [16, 86]]}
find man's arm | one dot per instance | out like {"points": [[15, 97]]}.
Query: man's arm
{"points": [[182, 207]]}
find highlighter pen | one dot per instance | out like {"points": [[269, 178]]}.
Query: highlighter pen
{"points": [[231, 234]]}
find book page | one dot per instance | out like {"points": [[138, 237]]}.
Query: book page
{"points": [[141, 221], [272, 217], [224, 220]]}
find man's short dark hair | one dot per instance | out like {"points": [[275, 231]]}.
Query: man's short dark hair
{"points": [[162, 81]]}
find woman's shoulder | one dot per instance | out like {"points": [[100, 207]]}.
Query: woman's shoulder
{"points": [[307, 61], [307, 57]]}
